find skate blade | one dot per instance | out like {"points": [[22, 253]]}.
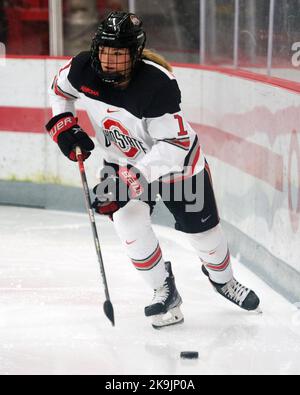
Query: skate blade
{"points": [[257, 311], [172, 317]]}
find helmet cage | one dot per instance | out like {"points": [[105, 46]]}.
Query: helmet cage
{"points": [[118, 31]]}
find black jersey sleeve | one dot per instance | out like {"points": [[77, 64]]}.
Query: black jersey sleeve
{"points": [[166, 100], [81, 71]]}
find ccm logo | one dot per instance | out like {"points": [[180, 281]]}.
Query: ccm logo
{"points": [[60, 126], [92, 92]]}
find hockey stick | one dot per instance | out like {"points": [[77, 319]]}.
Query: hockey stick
{"points": [[108, 307]]}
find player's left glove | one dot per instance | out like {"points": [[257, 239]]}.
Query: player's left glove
{"points": [[116, 190]]}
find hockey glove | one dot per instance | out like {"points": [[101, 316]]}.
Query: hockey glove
{"points": [[116, 189], [64, 130]]}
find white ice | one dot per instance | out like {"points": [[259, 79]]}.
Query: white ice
{"points": [[52, 322]]}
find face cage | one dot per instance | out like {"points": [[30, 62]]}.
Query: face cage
{"points": [[122, 66]]}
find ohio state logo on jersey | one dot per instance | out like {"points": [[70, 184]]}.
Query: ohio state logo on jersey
{"points": [[115, 133]]}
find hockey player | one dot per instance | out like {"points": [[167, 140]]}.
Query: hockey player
{"points": [[134, 102]]}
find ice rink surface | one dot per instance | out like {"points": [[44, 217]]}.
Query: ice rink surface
{"points": [[52, 320]]}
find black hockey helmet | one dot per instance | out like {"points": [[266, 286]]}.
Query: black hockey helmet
{"points": [[118, 30]]}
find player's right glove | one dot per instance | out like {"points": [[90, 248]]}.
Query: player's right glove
{"points": [[65, 131]]}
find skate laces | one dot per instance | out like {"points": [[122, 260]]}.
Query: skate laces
{"points": [[161, 294], [236, 291]]}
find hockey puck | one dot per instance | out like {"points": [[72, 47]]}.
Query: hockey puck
{"points": [[189, 355]]}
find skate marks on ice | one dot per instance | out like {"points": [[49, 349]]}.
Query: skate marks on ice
{"points": [[52, 321]]}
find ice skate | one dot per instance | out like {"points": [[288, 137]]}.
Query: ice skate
{"points": [[165, 307], [237, 293]]}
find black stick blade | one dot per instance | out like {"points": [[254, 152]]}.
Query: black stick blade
{"points": [[109, 311]]}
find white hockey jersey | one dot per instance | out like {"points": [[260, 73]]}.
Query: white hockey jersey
{"points": [[142, 125]]}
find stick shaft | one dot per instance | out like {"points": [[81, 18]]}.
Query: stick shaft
{"points": [[92, 219]]}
